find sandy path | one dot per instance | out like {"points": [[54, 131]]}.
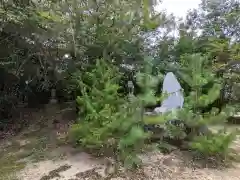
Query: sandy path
{"points": [[156, 167], [77, 163]]}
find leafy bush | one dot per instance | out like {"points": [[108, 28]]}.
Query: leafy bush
{"points": [[215, 145], [99, 103], [203, 140], [195, 123], [108, 122]]}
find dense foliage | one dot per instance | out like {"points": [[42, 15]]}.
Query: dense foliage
{"points": [[108, 122], [89, 49]]}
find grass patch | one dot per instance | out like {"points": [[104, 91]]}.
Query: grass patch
{"points": [[37, 148], [9, 165], [153, 119], [9, 161], [41, 146], [12, 157]]}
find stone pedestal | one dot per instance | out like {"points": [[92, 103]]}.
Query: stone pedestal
{"points": [[53, 99]]}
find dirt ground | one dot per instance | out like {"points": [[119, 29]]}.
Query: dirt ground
{"points": [[156, 166], [40, 153]]}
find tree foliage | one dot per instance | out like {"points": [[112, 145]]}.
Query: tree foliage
{"points": [[109, 123], [43, 44]]}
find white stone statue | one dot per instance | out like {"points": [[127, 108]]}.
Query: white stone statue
{"points": [[174, 93]]}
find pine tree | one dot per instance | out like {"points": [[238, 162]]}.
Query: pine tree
{"points": [[99, 103], [195, 70], [199, 76], [148, 84], [109, 122]]}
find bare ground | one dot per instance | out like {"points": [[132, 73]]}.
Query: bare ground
{"points": [[156, 166], [40, 153]]}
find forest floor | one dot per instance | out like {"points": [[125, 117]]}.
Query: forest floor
{"points": [[40, 152]]}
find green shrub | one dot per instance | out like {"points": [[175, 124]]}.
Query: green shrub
{"points": [[214, 145], [196, 123], [202, 139], [108, 122]]}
